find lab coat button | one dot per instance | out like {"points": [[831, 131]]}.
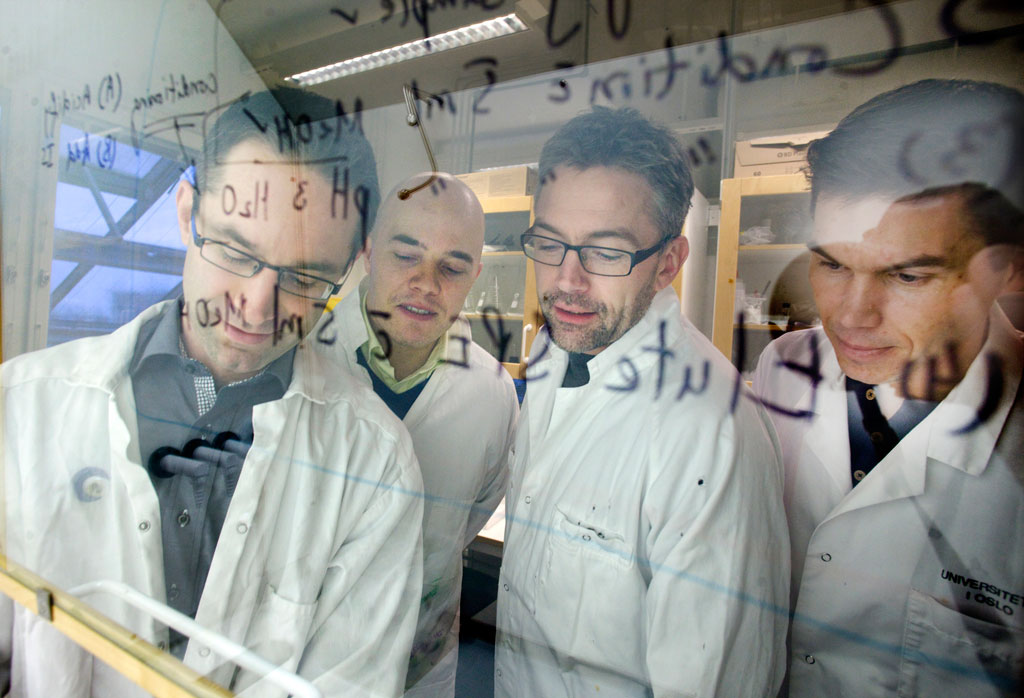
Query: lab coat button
{"points": [[204, 651], [498, 672], [809, 658], [825, 557], [143, 526], [242, 527], [527, 499], [505, 587]]}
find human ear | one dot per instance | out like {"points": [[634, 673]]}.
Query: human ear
{"points": [[183, 199], [671, 261]]}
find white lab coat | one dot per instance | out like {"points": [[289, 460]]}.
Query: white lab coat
{"points": [[645, 550], [318, 563], [878, 610], [462, 427]]}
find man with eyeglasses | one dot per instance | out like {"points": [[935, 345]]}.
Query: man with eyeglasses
{"points": [[218, 461], [646, 551]]}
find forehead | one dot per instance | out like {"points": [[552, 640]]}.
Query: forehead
{"points": [[290, 204], [580, 202], [887, 231], [439, 223]]}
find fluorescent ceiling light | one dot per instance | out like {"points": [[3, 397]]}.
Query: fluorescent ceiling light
{"points": [[463, 36]]}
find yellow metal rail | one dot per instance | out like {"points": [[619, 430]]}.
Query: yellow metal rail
{"points": [[155, 671]]}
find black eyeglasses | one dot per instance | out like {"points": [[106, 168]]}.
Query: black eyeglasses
{"points": [[289, 280], [602, 261]]}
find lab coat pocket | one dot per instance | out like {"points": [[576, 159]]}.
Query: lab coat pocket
{"points": [[589, 587], [946, 652], [278, 634], [578, 536]]}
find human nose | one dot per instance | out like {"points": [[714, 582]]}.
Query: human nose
{"points": [[860, 303], [426, 280], [259, 293], [572, 277]]}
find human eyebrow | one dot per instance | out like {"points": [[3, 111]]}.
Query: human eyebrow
{"points": [[407, 240], [232, 235], [460, 255], [548, 228], [925, 260], [618, 234], [822, 253], [597, 235]]}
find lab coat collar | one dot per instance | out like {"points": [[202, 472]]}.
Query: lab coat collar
{"points": [[828, 436], [544, 375], [902, 472], [971, 453]]}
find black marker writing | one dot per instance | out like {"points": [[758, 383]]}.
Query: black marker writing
{"points": [[420, 10], [629, 374], [464, 363], [812, 371], [382, 335], [550, 28], [176, 88], [82, 151], [250, 207], [290, 324], [208, 314], [350, 17], [491, 79], [321, 334], [497, 333]]}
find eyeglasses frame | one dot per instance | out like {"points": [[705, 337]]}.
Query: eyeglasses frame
{"points": [[332, 288], [635, 257]]}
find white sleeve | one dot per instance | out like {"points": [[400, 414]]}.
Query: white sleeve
{"points": [[717, 602]]}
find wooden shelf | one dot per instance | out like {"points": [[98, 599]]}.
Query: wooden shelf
{"points": [[506, 204]]}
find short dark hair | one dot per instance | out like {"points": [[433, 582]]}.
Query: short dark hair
{"points": [[931, 138], [626, 139], [303, 127]]}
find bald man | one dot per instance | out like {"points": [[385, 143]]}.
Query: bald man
{"points": [[402, 333]]}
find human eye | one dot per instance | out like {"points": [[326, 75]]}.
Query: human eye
{"points": [[543, 245], [451, 271], [227, 252], [299, 280], [827, 264], [404, 258], [910, 278], [234, 255], [606, 255]]}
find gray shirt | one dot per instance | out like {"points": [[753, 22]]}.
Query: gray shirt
{"points": [[176, 401]]}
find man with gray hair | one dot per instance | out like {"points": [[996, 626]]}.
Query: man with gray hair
{"points": [[646, 550]]}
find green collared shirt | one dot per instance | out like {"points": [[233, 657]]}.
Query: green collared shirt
{"points": [[376, 357]]}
